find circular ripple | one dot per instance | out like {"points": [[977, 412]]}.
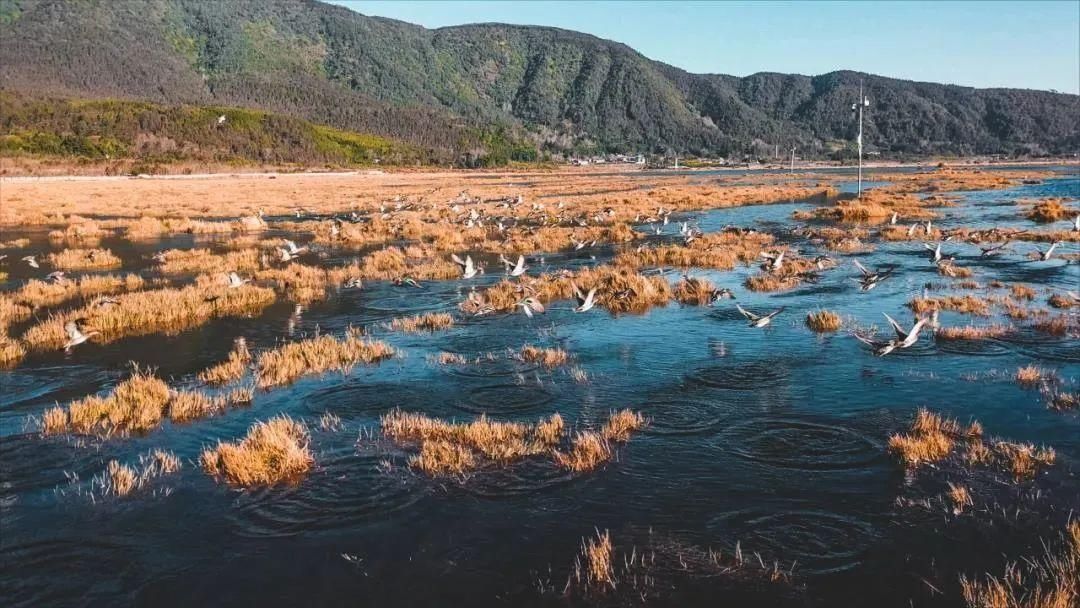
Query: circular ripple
{"points": [[29, 462], [1044, 347], [800, 444], [346, 489], [820, 542], [529, 476], [746, 377], [405, 301], [506, 399], [688, 416], [983, 348], [31, 569], [493, 368]]}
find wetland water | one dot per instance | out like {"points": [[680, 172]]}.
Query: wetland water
{"points": [[774, 439]]}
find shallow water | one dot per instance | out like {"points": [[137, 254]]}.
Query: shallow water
{"points": [[772, 438]]}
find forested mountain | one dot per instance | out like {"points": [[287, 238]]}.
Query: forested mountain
{"points": [[479, 88]]}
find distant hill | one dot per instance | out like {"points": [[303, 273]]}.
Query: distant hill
{"points": [[491, 91]]}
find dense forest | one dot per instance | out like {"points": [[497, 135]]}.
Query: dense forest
{"points": [[477, 94]]}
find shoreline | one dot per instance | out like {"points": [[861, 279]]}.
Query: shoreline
{"points": [[585, 170]]}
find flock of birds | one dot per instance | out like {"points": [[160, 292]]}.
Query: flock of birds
{"points": [[538, 216]]}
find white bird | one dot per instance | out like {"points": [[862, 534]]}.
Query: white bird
{"points": [[759, 320], [1045, 255], [235, 281], [31, 261], [285, 255], [76, 335], [1076, 223], [869, 280], [586, 302], [895, 217], [221, 120], [530, 305], [906, 338], [515, 270], [578, 245], [468, 269], [293, 249], [775, 261], [56, 277], [911, 229], [935, 252]]}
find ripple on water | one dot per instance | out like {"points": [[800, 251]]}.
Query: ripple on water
{"points": [[529, 476], [499, 367], [30, 462], [401, 301], [54, 572], [345, 489], [506, 399], [684, 415], [755, 375], [820, 542], [987, 347], [807, 445], [1042, 346]]}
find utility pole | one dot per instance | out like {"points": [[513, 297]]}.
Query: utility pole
{"points": [[863, 102], [792, 159]]}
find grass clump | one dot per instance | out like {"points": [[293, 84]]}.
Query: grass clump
{"points": [[122, 479], [1029, 375], [83, 259], [547, 357], [967, 304], [588, 451], [272, 452], [1049, 581], [287, 363], [823, 321], [136, 404], [449, 448], [427, 322], [232, 368], [185, 406], [620, 425], [1049, 210], [931, 439], [595, 566], [698, 292]]}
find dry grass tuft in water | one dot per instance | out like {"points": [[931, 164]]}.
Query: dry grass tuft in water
{"points": [[185, 406], [274, 451], [83, 259], [547, 357], [931, 438], [122, 479], [588, 451], [1062, 301], [972, 332], [1049, 581], [823, 321], [967, 304], [1048, 210], [448, 448], [433, 321], [1030, 376], [1062, 400], [698, 292], [287, 363], [594, 567], [136, 404], [232, 368], [621, 425]]}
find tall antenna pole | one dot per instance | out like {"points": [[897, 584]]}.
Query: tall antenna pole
{"points": [[862, 103]]}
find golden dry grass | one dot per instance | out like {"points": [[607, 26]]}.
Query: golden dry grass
{"points": [[1023, 292], [83, 259], [694, 291], [823, 321], [621, 424], [547, 357], [272, 452], [967, 304], [136, 404], [1048, 210], [972, 332], [1062, 400], [1029, 375], [932, 438], [595, 566], [122, 479], [433, 321], [185, 406], [588, 450], [11, 351], [454, 448], [40, 294], [1058, 325], [289, 362], [231, 369], [168, 311], [1051, 580], [1062, 301], [190, 261]]}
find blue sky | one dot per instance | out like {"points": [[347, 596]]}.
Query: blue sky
{"points": [[1032, 45]]}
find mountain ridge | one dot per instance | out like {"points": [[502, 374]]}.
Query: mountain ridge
{"points": [[457, 89]]}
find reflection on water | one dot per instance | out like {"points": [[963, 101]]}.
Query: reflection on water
{"points": [[770, 438]]}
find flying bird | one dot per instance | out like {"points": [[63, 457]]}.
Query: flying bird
{"points": [[585, 302], [75, 334], [759, 320], [468, 269]]}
